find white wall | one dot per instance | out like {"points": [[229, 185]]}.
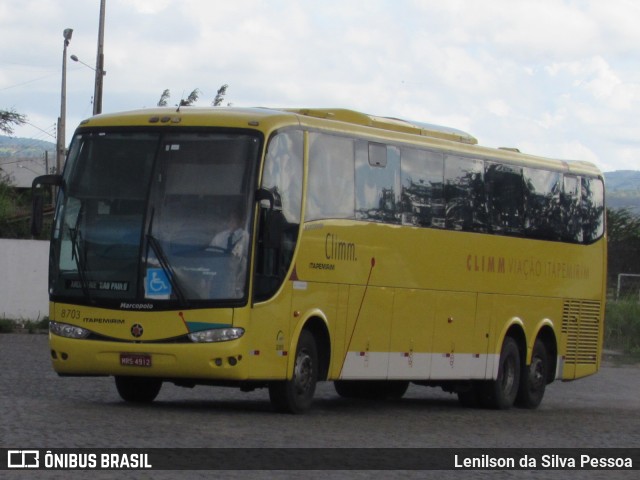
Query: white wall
{"points": [[24, 267]]}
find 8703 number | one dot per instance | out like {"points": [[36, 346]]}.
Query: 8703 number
{"points": [[70, 314]]}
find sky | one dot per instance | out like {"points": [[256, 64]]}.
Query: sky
{"points": [[556, 78]]}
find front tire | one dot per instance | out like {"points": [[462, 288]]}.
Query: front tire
{"points": [[534, 378], [501, 393], [138, 389], [296, 395]]}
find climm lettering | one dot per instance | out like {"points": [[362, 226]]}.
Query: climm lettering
{"points": [[482, 263], [337, 249]]}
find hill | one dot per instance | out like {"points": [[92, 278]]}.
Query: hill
{"points": [[623, 190], [24, 147]]}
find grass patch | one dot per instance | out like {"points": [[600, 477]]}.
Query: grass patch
{"points": [[622, 326]]}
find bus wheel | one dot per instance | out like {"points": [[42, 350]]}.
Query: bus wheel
{"points": [[296, 395], [138, 389], [534, 378], [501, 392]]}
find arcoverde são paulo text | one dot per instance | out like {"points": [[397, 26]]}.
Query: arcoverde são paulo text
{"points": [[545, 461]]}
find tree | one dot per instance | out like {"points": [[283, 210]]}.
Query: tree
{"points": [[222, 91], [193, 97], [623, 231], [8, 118], [164, 98], [190, 100]]}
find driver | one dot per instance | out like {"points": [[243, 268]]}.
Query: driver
{"points": [[233, 239]]}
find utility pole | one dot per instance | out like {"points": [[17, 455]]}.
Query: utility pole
{"points": [[97, 91], [61, 145]]}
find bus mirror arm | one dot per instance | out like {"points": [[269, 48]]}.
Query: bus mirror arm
{"points": [[264, 194], [53, 180], [37, 200], [274, 221]]}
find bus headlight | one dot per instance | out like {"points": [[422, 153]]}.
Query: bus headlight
{"points": [[216, 335], [68, 331]]}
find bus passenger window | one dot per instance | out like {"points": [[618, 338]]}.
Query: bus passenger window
{"points": [[378, 190], [466, 205], [505, 198], [592, 209], [570, 205], [422, 188], [330, 193], [542, 204]]}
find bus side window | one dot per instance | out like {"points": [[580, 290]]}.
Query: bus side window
{"points": [[543, 219], [592, 209], [330, 193], [280, 223], [378, 191], [422, 188], [504, 188], [570, 204], [466, 205]]}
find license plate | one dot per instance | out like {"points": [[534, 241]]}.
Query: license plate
{"points": [[135, 360]]}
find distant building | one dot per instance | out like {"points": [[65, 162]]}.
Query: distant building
{"points": [[22, 171]]}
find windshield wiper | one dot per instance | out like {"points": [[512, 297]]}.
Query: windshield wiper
{"points": [[165, 265], [76, 254]]}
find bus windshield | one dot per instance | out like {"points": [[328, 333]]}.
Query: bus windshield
{"points": [[154, 216]]}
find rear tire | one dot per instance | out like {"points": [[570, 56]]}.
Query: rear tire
{"points": [[534, 378], [138, 389], [501, 392], [296, 395]]}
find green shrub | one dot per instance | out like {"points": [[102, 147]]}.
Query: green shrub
{"points": [[40, 325], [622, 326], [6, 325]]}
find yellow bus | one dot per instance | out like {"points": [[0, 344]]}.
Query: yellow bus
{"points": [[278, 248]]}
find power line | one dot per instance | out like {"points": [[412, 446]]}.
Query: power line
{"points": [[28, 82]]}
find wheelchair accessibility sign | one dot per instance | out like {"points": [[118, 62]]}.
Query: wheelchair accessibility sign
{"points": [[157, 284]]}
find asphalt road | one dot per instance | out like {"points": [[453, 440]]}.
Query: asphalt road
{"points": [[41, 410]]}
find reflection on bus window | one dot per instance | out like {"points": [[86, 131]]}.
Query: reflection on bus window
{"points": [[542, 203], [570, 208], [279, 227], [283, 172], [505, 198], [331, 177], [422, 188], [466, 206], [592, 209], [378, 190]]}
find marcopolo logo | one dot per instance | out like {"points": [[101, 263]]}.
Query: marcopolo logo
{"points": [[23, 459]]}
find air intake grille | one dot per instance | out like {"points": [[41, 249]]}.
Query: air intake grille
{"points": [[581, 325]]}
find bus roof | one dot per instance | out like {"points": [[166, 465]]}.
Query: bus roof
{"points": [[274, 118], [387, 123]]}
